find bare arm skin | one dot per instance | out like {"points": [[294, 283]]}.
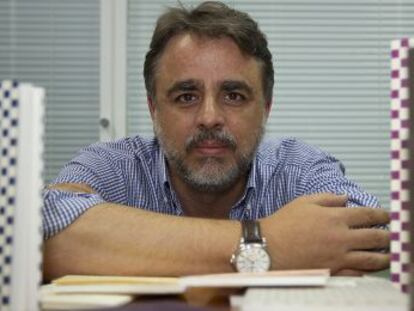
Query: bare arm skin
{"points": [[118, 240], [310, 232], [315, 232]]}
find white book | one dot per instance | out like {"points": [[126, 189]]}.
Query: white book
{"points": [[115, 285], [52, 301], [340, 294], [28, 222], [285, 278], [21, 162]]}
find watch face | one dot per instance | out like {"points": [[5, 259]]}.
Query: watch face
{"points": [[253, 258]]}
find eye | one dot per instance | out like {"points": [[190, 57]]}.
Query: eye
{"points": [[234, 98], [186, 98]]}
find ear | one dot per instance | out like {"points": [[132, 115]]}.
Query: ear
{"points": [[151, 106]]}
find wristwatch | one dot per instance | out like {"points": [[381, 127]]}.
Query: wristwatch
{"points": [[251, 255]]}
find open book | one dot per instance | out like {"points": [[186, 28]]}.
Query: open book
{"points": [[78, 287]]}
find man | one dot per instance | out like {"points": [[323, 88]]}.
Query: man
{"points": [[117, 208]]}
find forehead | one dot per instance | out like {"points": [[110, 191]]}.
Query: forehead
{"points": [[188, 56]]}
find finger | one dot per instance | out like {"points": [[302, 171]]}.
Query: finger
{"points": [[365, 216], [364, 239], [349, 272], [368, 261], [326, 199]]}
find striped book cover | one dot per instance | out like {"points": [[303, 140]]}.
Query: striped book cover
{"points": [[402, 153]]}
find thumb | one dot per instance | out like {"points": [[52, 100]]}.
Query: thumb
{"points": [[328, 199]]}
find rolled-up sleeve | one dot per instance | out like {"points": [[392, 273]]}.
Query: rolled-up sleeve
{"points": [[61, 208], [93, 166], [324, 173]]}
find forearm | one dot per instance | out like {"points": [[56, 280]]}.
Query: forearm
{"points": [[118, 240]]}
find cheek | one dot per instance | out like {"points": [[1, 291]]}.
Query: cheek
{"points": [[246, 128], [247, 133], [175, 130], [175, 118]]}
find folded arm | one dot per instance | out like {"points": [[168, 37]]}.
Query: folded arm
{"points": [[310, 232], [119, 240]]}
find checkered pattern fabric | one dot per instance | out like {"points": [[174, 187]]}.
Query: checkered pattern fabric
{"points": [[400, 162], [9, 115]]}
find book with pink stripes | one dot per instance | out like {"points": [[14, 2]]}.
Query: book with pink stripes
{"points": [[402, 156]]}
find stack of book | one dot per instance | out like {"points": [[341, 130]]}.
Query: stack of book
{"points": [[84, 292]]}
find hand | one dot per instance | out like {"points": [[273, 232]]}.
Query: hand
{"points": [[315, 231]]}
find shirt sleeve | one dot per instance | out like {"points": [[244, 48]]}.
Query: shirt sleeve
{"points": [[93, 166], [324, 173], [61, 208]]}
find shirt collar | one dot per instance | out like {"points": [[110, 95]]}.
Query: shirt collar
{"points": [[251, 181], [162, 162]]}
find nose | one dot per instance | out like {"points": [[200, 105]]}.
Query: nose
{"points": [[210, 114]]}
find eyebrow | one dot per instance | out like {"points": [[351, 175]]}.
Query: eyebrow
{"points": [[234, 85], [193, 85], [184, 85]]}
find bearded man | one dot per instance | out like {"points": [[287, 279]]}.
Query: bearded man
{"points": [[207, 194]]}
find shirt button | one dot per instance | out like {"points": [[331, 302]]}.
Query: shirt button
{"points": [[248, 207]]}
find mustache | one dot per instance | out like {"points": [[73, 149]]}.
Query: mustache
{"points": [[219, 135]]}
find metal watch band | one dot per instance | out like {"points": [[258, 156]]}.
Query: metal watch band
{"points": [[251, 231]]}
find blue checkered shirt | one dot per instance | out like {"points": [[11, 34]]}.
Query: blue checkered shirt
{"points": [[132, 172]]}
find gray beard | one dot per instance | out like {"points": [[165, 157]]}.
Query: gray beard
{"points": [[212, 176]]}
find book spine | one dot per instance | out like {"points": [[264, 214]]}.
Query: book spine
{"points": [[401, 161]]}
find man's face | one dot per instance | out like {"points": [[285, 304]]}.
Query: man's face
{"points": [[209, 110]]}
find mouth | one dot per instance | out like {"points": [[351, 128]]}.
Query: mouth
{"points": [[211, 148]]}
